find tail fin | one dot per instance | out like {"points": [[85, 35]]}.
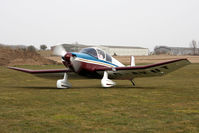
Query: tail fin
{"points": [[132, 61]]}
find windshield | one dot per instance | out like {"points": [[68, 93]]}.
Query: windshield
{"points": [[89, 51], [97, 53]]}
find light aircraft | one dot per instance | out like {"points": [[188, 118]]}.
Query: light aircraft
{"points": [[95, 63]]}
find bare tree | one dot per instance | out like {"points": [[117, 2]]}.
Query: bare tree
{"points": [[198, 48], [193, 45]]}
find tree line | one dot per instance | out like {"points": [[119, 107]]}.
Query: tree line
{"points": [[33, 48], [192, 50]]}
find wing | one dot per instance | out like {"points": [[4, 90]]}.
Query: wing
{"points": [[158, 69], [49, 74]]}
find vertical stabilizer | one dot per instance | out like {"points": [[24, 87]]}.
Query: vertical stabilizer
{"points": [[132, 61]]}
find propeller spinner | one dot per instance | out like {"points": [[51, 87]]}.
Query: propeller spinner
{"points": [[66, 56]]}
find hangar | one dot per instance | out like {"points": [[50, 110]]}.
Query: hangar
{"points": [[125, 50], [112, 50]]}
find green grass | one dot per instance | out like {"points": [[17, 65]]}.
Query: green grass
{"points": [[161, 104]]}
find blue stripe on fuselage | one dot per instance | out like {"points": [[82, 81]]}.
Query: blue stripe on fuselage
{"points": [[89, 57]]}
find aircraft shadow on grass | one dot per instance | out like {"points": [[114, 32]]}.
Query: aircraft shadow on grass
{"points": [[89, 87]]}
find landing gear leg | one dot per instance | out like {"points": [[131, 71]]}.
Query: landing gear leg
{"points": [[63, 83], [133, 83], [105, 82]]}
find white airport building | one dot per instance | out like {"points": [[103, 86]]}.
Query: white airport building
{"points": [[112, 50], [125, 50]]}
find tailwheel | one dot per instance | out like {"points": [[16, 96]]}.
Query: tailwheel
{"points": [[133, 83]]}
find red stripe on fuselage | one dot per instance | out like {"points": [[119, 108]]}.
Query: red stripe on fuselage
{"points": [[88, 69]]}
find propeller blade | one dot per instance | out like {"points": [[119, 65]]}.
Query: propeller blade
{"points": [[59, 50]]}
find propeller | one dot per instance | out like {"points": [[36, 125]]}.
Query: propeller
{"points": [[59, 51]]}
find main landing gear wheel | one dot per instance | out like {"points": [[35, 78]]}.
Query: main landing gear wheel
{"points": [[105, 82], [63, 83]]}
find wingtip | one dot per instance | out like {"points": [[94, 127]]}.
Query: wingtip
{"points": [[20, 69], [187, 60], [9, 67]]}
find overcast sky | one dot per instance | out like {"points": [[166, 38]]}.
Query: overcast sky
{"points": [[144, 23]]}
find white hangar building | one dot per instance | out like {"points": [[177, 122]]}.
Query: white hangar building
{"points": [[125, 50], [112, 50]]}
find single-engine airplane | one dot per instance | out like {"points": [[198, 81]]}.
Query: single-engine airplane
{"points": [[95, 63]]}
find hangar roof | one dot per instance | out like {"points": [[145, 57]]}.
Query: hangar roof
{"points": [[109, 46]]}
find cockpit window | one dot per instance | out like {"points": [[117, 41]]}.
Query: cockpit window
{"points": [[97, 53], [90, 51], [108, 58], [101, 54]]}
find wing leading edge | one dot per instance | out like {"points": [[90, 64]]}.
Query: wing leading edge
{"points": [[49, 74], [40, 71], [157, 69]]}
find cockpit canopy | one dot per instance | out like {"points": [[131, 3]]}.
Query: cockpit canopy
{"points": [[97, 53]]}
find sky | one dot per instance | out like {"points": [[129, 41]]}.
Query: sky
{"points": [[143, 23]]}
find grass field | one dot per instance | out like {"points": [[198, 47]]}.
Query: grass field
{"points": [[161, 104]]}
